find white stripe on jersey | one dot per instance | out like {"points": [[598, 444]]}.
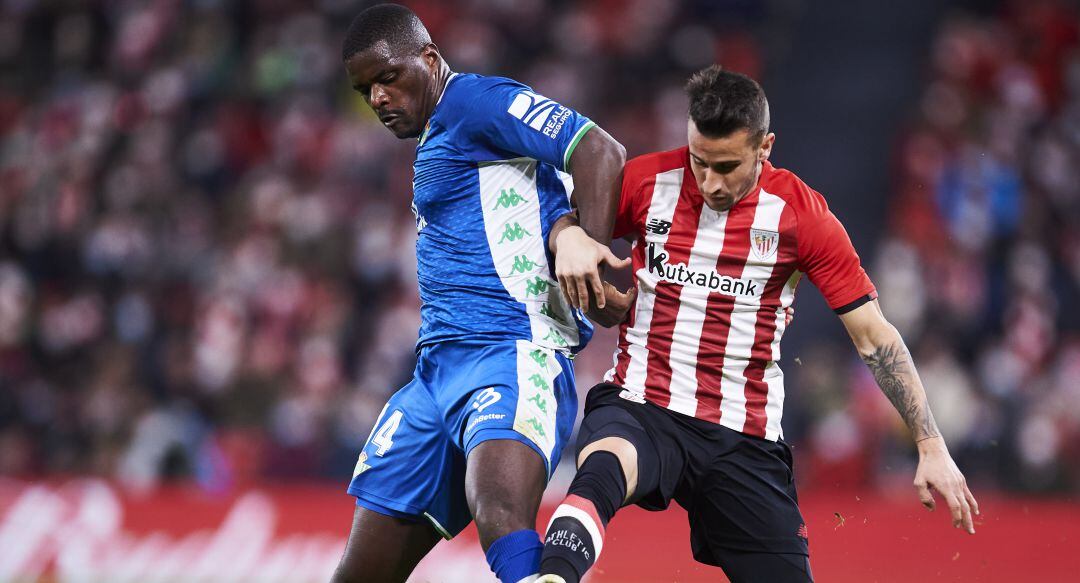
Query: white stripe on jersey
{"points": [[686, 338], [511, 206], [774, 407], [787, 297], [665, 198], [740, 339]]}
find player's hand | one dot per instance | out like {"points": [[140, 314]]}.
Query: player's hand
{"points": [[789, 316], [577, 266], [938, 471], [616, 306]]}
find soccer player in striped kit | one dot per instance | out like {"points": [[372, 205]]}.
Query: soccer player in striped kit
{"points": [[691, 409]]}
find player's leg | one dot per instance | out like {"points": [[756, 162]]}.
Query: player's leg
{"points": [[504, 482], [404, 472], [618, 463], [383, 549], [512, 431], [744, 516]]}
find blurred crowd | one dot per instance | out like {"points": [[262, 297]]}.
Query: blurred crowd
{"points": [[978, 264], [206, 247]]}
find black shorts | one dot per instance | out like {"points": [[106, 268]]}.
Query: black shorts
{"points": [[738, 490]]}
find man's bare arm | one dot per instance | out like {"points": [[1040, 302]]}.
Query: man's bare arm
{"points": [[596, 166], [579, 240], [884, 351], [896, 375]]}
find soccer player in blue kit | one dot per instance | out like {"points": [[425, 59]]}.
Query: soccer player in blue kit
{"points": [[478, 431]]}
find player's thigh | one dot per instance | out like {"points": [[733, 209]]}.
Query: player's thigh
{"points": [[518, 391], [744, 501], [610, 425], [409, 468], [614, 430], [383, 549]]}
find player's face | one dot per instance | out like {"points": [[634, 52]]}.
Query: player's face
{"points": [[726, 168], [400, 88]]}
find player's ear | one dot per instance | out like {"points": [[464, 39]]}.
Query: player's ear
{"points": [[430, 55], [765, 149]]}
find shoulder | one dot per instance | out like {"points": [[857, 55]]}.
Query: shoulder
{"points": [[645, 168], [802, 199], [467, 87], [472, 99]]}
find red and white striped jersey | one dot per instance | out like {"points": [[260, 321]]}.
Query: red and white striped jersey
{"points": [[704, 336]]}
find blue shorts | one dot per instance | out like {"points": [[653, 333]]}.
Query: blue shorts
{"points": [[462, 394]]}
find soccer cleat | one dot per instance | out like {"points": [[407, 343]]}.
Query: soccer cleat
{"points": [[550, 579]]}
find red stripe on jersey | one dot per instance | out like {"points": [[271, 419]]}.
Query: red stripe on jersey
{"points": [[717, 326], [756, 389], [637, 259], [680, 241], [623, 359]]}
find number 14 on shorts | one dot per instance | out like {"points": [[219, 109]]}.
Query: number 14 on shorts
{"points": [[382, 437]]}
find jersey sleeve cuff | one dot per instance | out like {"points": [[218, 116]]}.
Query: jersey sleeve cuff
{"points": [[574, 143], [869, 297]]}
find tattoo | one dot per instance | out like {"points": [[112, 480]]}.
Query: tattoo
{"points": [[892, 368]]}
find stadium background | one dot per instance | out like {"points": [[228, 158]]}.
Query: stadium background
{"points": [[207, 286]]}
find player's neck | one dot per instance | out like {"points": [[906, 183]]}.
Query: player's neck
{"points": [[442, 78], [753, 186]]}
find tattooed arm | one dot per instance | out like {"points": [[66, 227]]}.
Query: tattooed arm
{"points": [[891, 364], [883, 350]]}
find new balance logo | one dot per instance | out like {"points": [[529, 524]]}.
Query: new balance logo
{"points": [[801, 532], [539, 113], [658, 226], [725, 284]]}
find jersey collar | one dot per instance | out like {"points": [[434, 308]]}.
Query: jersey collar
{"points": [[427, 126]]}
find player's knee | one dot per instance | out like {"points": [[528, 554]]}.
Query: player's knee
{"points": [[496, 516], [624, 451]]}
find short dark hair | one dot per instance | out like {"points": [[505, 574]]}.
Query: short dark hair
{"points": [[723, 102], [397, 25]]}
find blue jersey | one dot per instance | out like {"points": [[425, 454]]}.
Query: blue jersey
{"points": [[490, 178]]}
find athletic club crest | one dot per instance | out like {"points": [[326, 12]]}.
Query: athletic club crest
{"points": [[764, 243]]}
